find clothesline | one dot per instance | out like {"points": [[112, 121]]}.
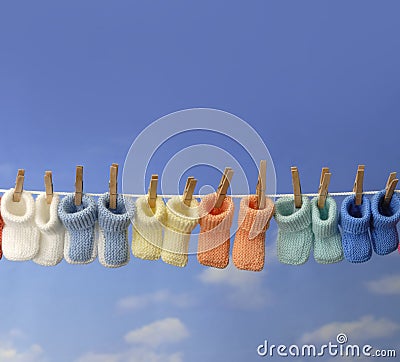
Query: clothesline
{"points": [[238, 196]]}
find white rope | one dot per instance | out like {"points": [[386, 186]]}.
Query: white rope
{"points": [[63, 193]]}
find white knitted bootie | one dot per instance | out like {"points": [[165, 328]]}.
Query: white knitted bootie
{"points": [[20, 234], [51, 244]]}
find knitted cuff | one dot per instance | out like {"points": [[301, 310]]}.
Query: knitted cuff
{"points": [[385, 238], [325, 220], [355, 222], [80, 223], [355, 219], [181, 220], [215, 226], [113, 247], [290, 219], [147, 229], [295, 236], [328, 243], [249, 247], [20, 238], [1, 233], [51, 231], [253, 220]]}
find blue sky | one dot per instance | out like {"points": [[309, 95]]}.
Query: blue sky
{"points": [[319, 81]]}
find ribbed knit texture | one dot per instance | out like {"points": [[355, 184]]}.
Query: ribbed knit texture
{"points": [[20, 239], [384, 236], [147, 229], [113, 245], [295, 236], [249, 247], [180, 222], [327, 240], [355, 222], [215, 227], [51, 243], [80, 241], [1, 233]]}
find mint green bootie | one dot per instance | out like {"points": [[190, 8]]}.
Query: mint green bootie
{"points": [[328, 242], [295, 236]]}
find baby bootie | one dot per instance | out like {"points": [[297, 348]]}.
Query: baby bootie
{"points": [[249, 247], [80, 241], [295, 236], [180, 222], [51, 244], [20, 238], [215, 226], [384, 236], [355, 223], [113, 245], [327, 240], [147, 229]]}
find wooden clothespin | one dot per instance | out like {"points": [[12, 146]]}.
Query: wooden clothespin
{"points": [[261, 184], [113, 185], [323, 187], [19, 185], [296, 187], [152, 196], [78, 185], [390, 187], [358, 184], [48, 184], [223, 186], [189, 189]]}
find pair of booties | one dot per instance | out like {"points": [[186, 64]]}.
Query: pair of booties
{"points": [[31, 229], [94, 228], [308, 226], [248, 252], [371, 225], [164, 231]]}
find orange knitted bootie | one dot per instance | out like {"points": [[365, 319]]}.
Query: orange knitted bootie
{"points": [[215, 227], [249, 247]]}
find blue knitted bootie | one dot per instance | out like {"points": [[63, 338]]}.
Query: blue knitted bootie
{"points": [[385, 238], [355, 221], [113, 243], [328, 242], [295, 236], [79, 247]]}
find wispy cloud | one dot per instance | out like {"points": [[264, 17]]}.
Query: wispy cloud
{"points": [[240, 285], [136, 302], [364, 329], [11, 351], [387, 285], [165, 331], [16, 333], [144, 342], [132, 355]]}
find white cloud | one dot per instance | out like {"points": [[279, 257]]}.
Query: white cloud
{"points": [[99, 357], [165, 331], [144, 343], [364, 329], [16, 333], [10, 353], [135, 302], [241, 284], [388, 285], [133, 355]]}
